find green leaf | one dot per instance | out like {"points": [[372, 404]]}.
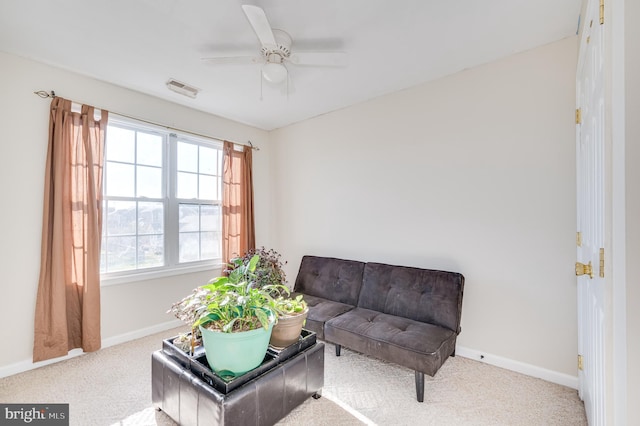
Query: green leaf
{"points": [[253, 263], [237, 311], [206, 319], [216, 282], [227, 328], [263, 318], [236, 275], [235, 262]]}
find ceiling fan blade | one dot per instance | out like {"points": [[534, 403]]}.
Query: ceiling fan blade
{"points": [[323, 59], [260, 24], [224, 60]]}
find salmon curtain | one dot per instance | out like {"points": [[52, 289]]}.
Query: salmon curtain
{"points": [[238, 229], [68, 300]]}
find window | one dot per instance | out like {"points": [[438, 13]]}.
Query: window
{"points": [[198, 195], [162, 194]]}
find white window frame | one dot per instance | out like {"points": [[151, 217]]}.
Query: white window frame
{"points": [[171, 205]]}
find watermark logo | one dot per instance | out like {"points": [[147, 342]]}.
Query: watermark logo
{"points": [[34, 414]]}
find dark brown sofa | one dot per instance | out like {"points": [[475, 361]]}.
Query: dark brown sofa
{"points": [[408, 316]]}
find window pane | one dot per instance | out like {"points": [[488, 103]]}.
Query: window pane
{"points": [[150, 251], [121, 217], [209, 245], [187, 185], [189, 217], [149, 149], [210, 218], [188, 247], [208, 190], [187, 157], [121, 253], [120, 144], [149, 182], [150, 218], [208, 160], [120, 180]]}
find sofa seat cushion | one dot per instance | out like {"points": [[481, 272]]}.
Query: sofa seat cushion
{"points": [[321, 310], [416, 345]]}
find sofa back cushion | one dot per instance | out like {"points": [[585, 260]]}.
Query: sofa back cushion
{"points": [[334, 279], [424, 295]]}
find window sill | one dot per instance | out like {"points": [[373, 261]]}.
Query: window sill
{"points": [[125, 278]]}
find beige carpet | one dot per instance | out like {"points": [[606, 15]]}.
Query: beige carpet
{"points": [[113, 387]]}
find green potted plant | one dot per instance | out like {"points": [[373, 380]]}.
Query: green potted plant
{"points": [[234, 316], [269, 269], [291, 312], [292, 315]]}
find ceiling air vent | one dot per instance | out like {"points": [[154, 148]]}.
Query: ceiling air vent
{"points": [[182, 88]]}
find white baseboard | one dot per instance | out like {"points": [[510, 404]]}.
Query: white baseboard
{"points": [[519, 367], [143, 332], [26, 365]]}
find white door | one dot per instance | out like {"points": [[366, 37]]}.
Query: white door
{"points": [[590, 156]]}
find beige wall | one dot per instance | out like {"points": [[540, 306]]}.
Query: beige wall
{"points": [[24, 122], [632, 146], [473, 173]]}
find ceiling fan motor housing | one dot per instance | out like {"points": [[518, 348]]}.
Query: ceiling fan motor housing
{"points": [[283, 46]]}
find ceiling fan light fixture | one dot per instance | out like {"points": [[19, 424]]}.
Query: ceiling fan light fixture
{"points": [[274, 73]]}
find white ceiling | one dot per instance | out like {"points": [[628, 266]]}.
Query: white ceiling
{"points": [[391, 45]]}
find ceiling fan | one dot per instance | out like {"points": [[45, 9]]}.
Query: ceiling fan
{"points": [[275, 51]]}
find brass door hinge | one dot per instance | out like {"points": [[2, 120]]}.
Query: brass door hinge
{"points": [[582, 269], [601, 263], [579, 239], [601, 12], [580, 363], [578, 116]]}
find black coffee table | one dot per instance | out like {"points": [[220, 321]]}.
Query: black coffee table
{"points": [[190, 397]]}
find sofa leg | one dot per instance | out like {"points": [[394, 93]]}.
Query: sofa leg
{"points": [[420, 386], [338, 347], [453, 353]]}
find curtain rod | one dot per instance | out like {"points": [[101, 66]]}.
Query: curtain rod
{"points": [[44, 94]]}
